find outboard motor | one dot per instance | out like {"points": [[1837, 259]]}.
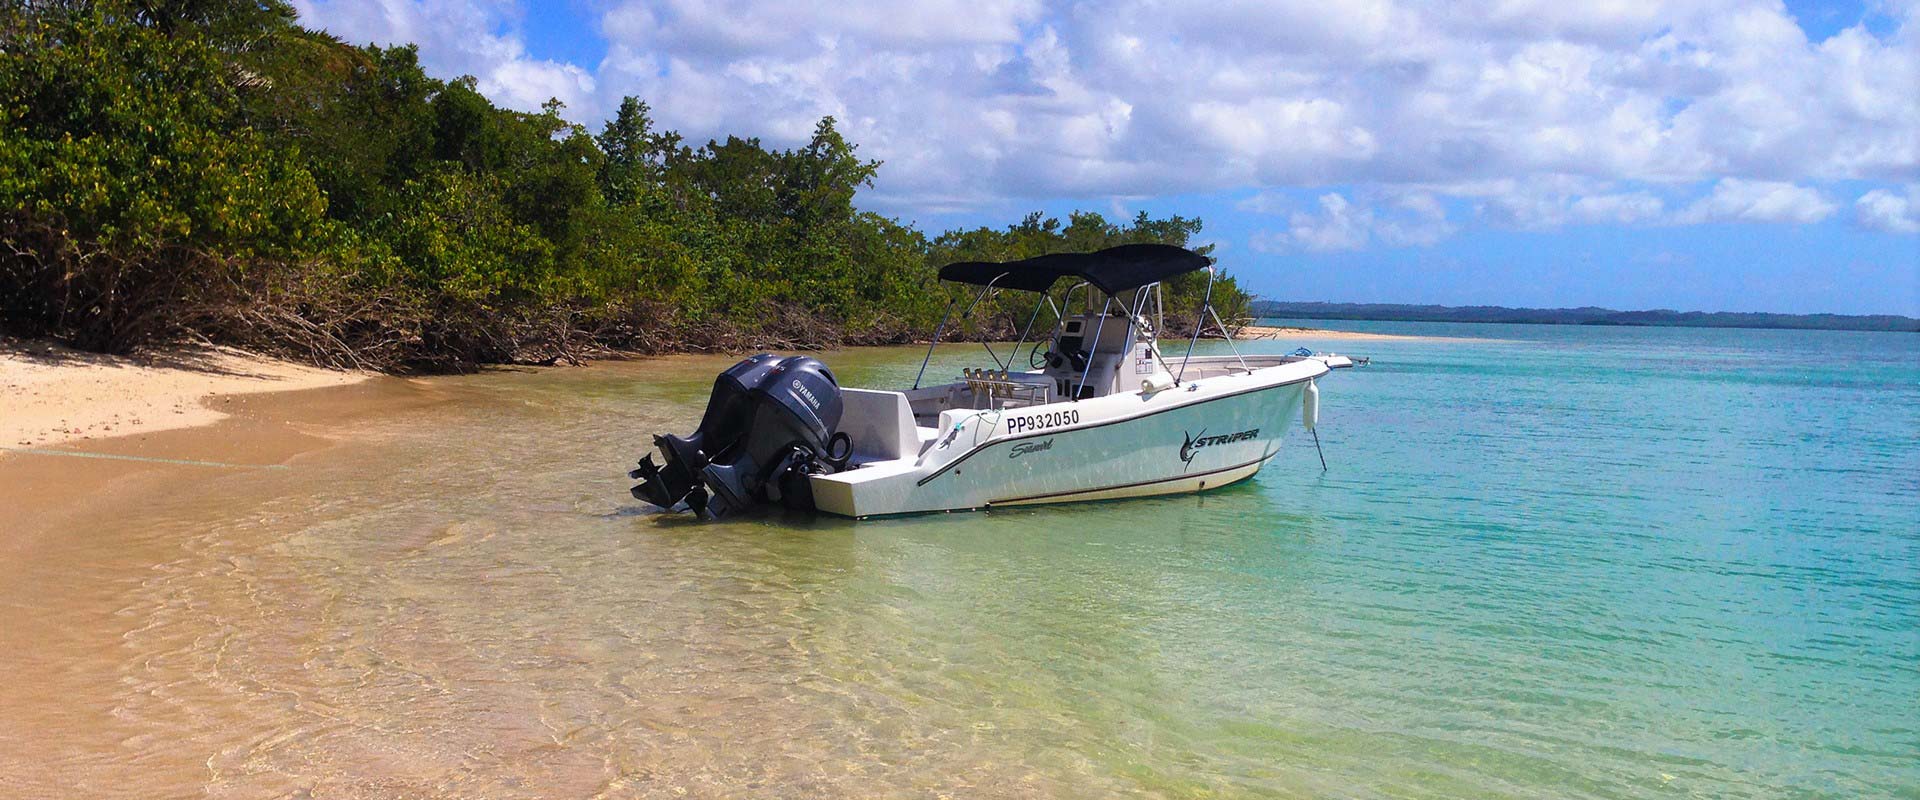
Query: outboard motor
{"points": [[770, 424]]}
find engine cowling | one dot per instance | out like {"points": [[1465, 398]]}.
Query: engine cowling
{"points": [[770, 423]]}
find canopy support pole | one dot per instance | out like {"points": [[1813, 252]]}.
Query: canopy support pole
{"points": [[1160, 315], [1134, 320], [1228, 335], [1048, 299], [1200, 320], [1159, 312], [936, 341], [1094, 349], [943, 324]]}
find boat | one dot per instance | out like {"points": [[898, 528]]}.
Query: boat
{"points": [[1100, 413]]}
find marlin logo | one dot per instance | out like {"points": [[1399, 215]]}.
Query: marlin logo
{"points": [[1196, 442], [1187, 450]]}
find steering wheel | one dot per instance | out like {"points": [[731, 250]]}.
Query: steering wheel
{"points": [[1076, 359]]}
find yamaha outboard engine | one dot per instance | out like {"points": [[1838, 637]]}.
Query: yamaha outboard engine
{"points": [[770, 424]]}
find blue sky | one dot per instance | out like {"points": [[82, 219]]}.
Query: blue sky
{"points": [[1739, 155]]}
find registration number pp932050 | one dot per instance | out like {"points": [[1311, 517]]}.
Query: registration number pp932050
{"points": [[1043, 421]]}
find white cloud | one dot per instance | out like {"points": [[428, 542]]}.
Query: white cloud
{"points": [[1617, 208], [1552, 201], [727, 30], [1545, 113], [1882, 210], [1339, 224], [459, 37], [1736, 200], [1265, 203], [525, 83], [1420, 220]]}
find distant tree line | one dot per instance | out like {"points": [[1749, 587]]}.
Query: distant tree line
{"points": [[211, 169], [1586, 315]]}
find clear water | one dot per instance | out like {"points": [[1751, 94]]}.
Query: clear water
{"points": [[1545, 562]]}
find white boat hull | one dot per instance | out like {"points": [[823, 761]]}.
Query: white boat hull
{"points": [[1201, 435], [1102, 414]]}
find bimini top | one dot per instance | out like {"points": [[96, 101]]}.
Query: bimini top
{"points": [[1113, 270]]}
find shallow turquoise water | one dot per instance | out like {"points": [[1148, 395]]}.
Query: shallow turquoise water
{"points": [[1568, 562], [1546, 562], [1626, 562]]}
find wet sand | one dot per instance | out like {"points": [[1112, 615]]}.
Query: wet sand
{"points": [[428, 588], [80, 541], [437, 588], [1265, 332]]}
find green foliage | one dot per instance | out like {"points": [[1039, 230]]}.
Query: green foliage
{"points": [[210, 167], [461, 242], [132, 194], [633, 155], [360, 119]]}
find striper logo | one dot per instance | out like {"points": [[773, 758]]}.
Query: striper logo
{"points": [[1029, 448], [1202, 440]]}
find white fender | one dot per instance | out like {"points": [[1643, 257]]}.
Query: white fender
{"points": [[1310, 405]]}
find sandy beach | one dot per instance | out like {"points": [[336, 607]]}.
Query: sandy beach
{"points": [[52, 394], [1262, 332]]}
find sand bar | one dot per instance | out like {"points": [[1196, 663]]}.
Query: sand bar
{"points": [[51, 394], [1261, 332]]}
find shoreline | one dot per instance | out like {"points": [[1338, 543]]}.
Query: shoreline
{"points": [[55, 395]]}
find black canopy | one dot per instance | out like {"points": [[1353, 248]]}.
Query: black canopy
{"points": [[1113, 270]]}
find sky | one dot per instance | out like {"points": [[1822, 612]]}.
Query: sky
{"points": [[1719, 155]]}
